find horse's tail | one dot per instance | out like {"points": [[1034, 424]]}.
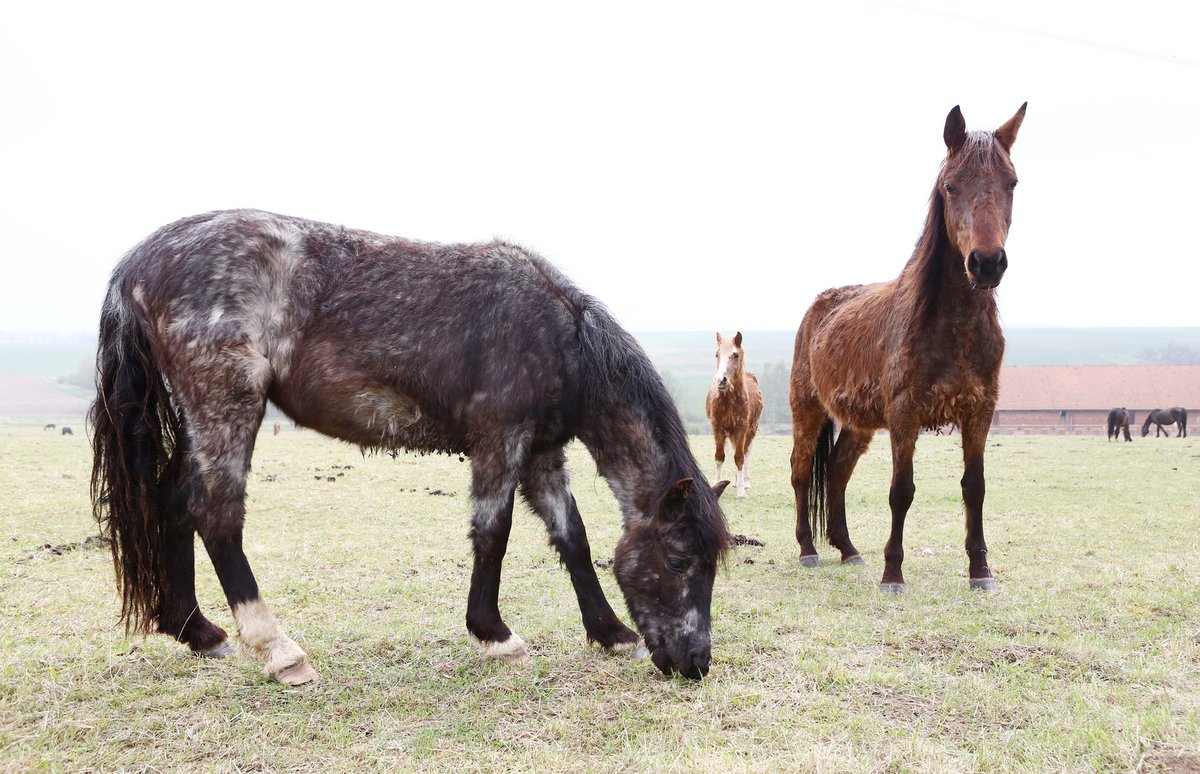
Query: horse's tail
{"points": [[135, 430], [1112, 424], [818, 490]]}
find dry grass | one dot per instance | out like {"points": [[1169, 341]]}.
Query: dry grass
{"points": [[1088, 659]]}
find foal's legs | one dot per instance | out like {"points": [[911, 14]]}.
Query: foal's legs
{"points": [[493, 486], [545, 486], [851, 444], [974, 438], [900, 497], [719, 440]]}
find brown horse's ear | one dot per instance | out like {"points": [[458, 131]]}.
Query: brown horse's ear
{"points": [[1007, 134], [737, 340], [719, 487], [718, 337], [955, 133]]}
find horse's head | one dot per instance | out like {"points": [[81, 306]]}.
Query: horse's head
{"points": [[729, 359], [976, 186], [665, 565]]}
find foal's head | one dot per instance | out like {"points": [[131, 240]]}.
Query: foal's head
{"points": [[976, 186], [665, 565], [730, 357]]}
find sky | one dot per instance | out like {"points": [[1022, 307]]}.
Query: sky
{"points": [[696, 166]]}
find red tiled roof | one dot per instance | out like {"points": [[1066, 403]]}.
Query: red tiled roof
{"points": [[1098, 387]]}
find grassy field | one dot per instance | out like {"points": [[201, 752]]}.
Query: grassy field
{"points": [[1088, 659]]}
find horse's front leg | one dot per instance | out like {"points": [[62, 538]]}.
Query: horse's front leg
{"points": [[546, 487], [492, 491], [719, 440], [900, 497], [974, 439]]}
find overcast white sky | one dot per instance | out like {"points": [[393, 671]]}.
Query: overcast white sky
{"points": [[696, 166]]}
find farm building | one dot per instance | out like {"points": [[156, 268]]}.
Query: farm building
{"points": [[1075, 400]]}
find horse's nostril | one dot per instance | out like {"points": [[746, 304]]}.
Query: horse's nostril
{"points": [[1002, 265], [973, 262], [698, 662]]}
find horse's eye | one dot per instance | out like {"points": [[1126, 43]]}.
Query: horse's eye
{"points": [[950, 190], [677, 564], [1012, 185]]}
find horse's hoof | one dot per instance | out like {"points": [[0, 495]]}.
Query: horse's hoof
{"points": [[636, 650], [984, 584], [511, 651], [855, 560], [741, 495], [297, 674], [812, 560], [220, 650], [891, 589]]}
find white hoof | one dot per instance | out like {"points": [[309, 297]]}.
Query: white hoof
{"points": [[512, 651]]}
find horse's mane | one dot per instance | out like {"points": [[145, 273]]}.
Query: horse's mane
{"points": [[614, 369]]}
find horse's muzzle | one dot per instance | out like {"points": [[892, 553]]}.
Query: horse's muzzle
{"points": [[690, 658], [985, 269], [723, 385]]}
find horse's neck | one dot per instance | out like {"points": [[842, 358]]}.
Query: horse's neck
{"points": [[942, 296], [630, 451]]}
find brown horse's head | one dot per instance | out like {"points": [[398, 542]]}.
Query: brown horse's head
{"points": [[729, 359], [976, 187], [666, 565]]}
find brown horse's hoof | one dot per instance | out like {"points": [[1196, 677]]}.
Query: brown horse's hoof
{"points": [[891, 589], [984, 584], [812, 560], [297, 674], [220, 650], [855, 560]]}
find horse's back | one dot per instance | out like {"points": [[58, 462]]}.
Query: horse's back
{"points": [[374, 339]]}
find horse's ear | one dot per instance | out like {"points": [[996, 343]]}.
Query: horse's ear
{"points": [[718, 337], [955, 133], [719, 487], [677, 495], [1007, 134], [737, 340]]}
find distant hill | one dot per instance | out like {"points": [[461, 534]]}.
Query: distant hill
{"points": [[685, 360]]}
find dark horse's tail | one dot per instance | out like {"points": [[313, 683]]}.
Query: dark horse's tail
{"points": [[1112, 424], [818, 490], [135, 431]]}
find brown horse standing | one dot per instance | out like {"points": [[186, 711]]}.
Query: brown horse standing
{"points": [[733, 405], [1161, 417], [916, 352], [1118, 420]]}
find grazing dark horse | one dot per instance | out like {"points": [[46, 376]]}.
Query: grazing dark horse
{"points": [[919, 351], [484, 350], [67, 431], [1118, 420], [50, 426], [1163, 418], [733, 405]]}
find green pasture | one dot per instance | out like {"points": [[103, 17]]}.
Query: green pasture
{"points": [[1087, 659]]}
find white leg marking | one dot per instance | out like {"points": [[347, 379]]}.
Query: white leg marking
{"points": [[513, 650], [740, 483], [718, 477], [260, 634]]}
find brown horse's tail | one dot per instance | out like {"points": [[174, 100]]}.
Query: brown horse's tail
{"points": [[135, 430], [1112, 424], [818, 490]]}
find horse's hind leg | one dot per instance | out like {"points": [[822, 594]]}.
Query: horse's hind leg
{"points": [[493, 486], [546, 487], [179, 612], [851, 444], [222, 423], [807, 420]]}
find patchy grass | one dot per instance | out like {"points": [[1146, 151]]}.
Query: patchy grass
{"points": [[1088, 658]]}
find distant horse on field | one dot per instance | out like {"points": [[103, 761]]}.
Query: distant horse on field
{"points": [[733, 405], [1118, 420], [67, 431], [1162, 419], [49, 426], [275, 428], [484, 350], [916, 352]]}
